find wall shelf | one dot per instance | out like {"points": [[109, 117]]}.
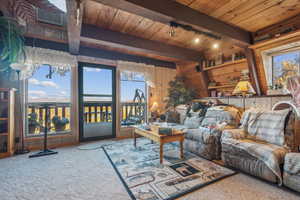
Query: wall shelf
{"points": [[224, 65], [221, 86]]}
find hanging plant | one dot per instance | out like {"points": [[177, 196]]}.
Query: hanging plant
{"points": [[11, 42]]}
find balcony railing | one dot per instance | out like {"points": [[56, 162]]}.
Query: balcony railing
{"points": [[94, 112]]}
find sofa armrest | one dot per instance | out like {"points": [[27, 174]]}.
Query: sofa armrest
{"points": [[236, 134], [292, 163]]}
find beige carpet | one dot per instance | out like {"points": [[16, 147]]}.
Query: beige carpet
{"points": [[75, 174]]}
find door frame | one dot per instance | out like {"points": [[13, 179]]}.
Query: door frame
{"points": [[80, 100]]}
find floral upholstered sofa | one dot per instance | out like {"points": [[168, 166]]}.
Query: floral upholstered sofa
{"points": [[204, 140], [203, 129], [260, 145]]}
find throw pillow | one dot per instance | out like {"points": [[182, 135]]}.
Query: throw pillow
{"points": [[267, 126], [192, 122], [172, 117], [217, 115]]}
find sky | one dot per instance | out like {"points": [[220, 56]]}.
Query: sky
{"points": [[95, 81], [61, 4]]}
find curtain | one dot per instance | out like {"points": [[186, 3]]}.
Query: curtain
{"points": [[147, 70], [61, 62]]}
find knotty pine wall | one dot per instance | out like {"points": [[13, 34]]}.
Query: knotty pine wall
{"points": [[157, 94], [193, 79], [199, 80]]}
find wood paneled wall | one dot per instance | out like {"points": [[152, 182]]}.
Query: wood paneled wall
{"points": [[157, 94], [224, 75], [199, 80], [193, 79]]}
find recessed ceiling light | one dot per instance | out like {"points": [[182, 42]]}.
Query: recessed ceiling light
{"points": [[216, 45], [197, 40]]}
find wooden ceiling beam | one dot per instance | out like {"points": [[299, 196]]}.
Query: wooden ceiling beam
{"points": [[166, 11], [96, 53], [97, 35], [74, 20]]}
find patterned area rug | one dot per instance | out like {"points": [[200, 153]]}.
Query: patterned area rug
{"points": [[146, 179]]}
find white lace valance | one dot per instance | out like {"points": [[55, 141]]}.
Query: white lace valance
{"points": [[59, 60], [147, 70]]}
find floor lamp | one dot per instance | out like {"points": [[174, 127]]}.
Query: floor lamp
{"points": [[243, 88], [19, 68]]}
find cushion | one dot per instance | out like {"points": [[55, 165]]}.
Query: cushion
{"points": [[182, 110], [197, 109], [219, 114], [203, 135], [193, 122], [172, 116], [289, 134], [292, 163], [267, 126]]}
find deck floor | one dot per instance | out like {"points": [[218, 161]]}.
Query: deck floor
{"points": [[75, 174]]}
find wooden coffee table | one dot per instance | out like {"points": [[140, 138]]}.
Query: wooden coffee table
{"points": [[161, 139]]}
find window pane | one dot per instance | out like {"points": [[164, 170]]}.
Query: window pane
{"points": [[97, 81], [56, 93], [285, 65], [133, 100]]}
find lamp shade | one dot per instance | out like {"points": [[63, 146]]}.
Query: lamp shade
{"points": [[243, 87], [154, 107]]}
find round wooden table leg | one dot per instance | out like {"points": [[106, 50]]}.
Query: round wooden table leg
{"points": [[161, 150]]}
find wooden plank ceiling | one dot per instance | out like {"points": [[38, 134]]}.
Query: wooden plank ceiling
{"points": [[125, 22], [251, 15]]}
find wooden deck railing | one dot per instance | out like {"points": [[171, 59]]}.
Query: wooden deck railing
{"points": [[94, 112]]}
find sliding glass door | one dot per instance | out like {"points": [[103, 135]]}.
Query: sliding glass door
{"points": [[97, 101]]}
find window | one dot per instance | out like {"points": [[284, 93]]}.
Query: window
{"points": [[283, 66], [133, 98], [50, 86]]}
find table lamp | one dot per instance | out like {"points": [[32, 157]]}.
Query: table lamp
{"points": [[243, 88]]}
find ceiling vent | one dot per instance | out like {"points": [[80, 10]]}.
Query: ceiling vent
{"points": [[50, 17]]}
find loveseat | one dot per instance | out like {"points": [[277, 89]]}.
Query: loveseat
{"points": [[203, 123], [203, 133]]}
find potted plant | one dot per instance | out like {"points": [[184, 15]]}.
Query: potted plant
{"points": [[179, 93], [33, 124], [60, 123]]}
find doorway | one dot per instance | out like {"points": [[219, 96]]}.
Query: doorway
{"points": [[97, 101]]}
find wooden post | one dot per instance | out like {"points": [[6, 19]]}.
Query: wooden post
{"points": [[106, 113], [204, 83], [90, 113], [63, 111], [253, 70]]}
